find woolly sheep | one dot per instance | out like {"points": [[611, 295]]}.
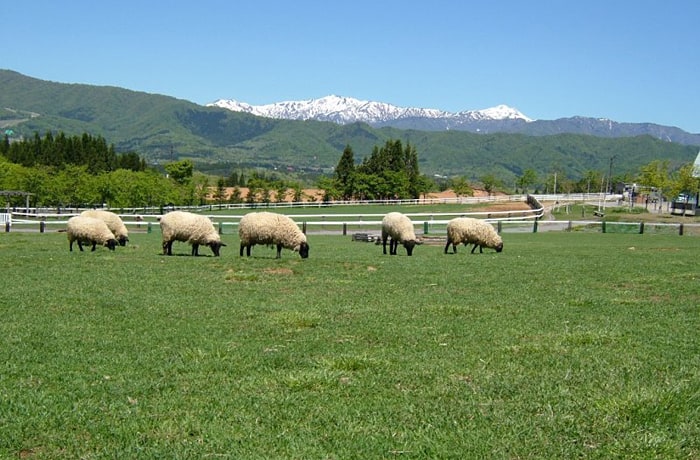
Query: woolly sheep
{"points": [[188, 227], [271, 229], [476, 231], [114, 223], [399, 228], [89, 230]]}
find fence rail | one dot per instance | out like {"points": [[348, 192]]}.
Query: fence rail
{"points": [[156, 210], [432, 225]]}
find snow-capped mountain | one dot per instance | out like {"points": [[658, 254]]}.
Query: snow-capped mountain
{"points": [[499, 119], [345, 110]]}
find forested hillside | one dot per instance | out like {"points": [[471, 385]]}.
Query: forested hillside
{"points": [[162, 129]]}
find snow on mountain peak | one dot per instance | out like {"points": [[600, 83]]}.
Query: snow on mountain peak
{"points": [[343, 110], [503, 112]]}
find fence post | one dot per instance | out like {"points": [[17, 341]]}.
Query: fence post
{"points": [[42, 226], [602, 223], [641, 228], [221, 228], [499, 226], [7, 227], [303, 227], [426, 227], [569, 227], [534, 226], [345, 229], [149, 227], [680, 230]]}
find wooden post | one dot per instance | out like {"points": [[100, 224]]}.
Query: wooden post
{"points": [[602, 223], [303, 227], [7, 227], [426, 227], [680, 230], [499, 225], [345, 229], [641, 228], [534, 226], [42, 226]]}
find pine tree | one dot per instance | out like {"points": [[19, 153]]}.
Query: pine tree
{"points": [[345, 172]]}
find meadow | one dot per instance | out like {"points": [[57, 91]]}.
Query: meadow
{"points": [[565, 345]]}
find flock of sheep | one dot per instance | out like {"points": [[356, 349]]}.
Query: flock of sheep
{"points": [[104, 228]]}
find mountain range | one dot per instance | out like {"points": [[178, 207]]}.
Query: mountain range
{"points": [[499, 119], [218, 140]]}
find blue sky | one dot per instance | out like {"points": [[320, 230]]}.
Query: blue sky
{"points": [[628, 61]]}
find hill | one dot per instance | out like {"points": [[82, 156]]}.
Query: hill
{"points": [[162, 128]]}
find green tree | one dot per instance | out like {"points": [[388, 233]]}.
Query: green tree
{"points": [[345, 173], [330, 188], [527, 179], [684, 182], [655, 174], [461, 186], [220, 192], [591, 182], [180, 171], [490, 183]]}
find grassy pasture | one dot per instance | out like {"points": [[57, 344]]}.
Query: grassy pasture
{"points": [[564, 345]]}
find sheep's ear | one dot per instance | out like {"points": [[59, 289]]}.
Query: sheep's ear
{"points": [[223, 244]]}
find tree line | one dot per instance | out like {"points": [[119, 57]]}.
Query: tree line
{"points": [[61, 150], [390, 172], [62, 171]]}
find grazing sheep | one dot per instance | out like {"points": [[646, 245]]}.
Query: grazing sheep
{"points": [[89, 230], [399, 228], [188, 227], [113, 221], [476, 231], [271, 229]]}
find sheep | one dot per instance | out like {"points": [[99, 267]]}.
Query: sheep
{"points": [[399, 228], [188, 227], [113, 221], [271, 229], [476, 231], [89, 230]]}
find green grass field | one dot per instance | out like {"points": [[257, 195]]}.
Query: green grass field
{"points": [[565, 345]]}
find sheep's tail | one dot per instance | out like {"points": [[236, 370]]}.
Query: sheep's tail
{"points": [[63, 230]]}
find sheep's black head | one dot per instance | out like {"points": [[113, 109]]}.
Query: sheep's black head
{"points": [[499, 248], [304, 250], [409, 245], [123, 240], [215, 247], [111, 244]]}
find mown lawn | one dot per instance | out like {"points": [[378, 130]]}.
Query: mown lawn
{"points": [[564, 345]]}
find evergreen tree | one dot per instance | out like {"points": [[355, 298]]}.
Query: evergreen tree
{"points": [[345, 172]]}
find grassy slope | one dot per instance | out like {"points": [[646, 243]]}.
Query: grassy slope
{"points": [[163, 128], [565, 345]]}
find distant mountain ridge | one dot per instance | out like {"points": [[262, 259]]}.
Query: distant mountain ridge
{"points": [[344, 110], [499, 119], [163, 129]]}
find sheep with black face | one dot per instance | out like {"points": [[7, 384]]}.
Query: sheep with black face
{"points": [[91, 231], [113, 221], [475, 231], [271, 229], [399, 229], [191, 228]]}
